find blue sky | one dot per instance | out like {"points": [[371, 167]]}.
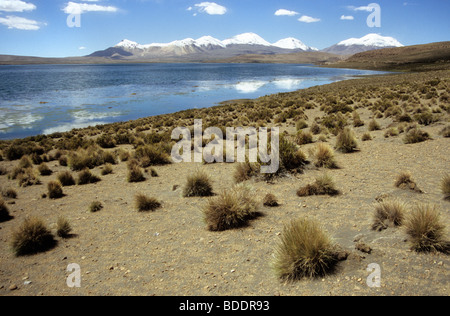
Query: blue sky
{"points": [[39, 27]]}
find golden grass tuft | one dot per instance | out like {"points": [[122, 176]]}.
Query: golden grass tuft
{"points": [[198, 185], [426, 230], [304, 251], [388, 214], [232, 208], [146, 204], [324, 156], [324, 185], [32, 237]]}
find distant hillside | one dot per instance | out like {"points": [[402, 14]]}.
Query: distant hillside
{"points": [[293, 58], [417, 58]]}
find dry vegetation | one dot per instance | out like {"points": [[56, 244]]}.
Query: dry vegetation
{"points": [[173, 251]]}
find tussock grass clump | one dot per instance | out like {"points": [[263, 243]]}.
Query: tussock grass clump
{"points": [[425, 229], [245, 171], [324, 156], [55, 190], [445, 131], [3, 170], [32, 237], [304, 138], [366, 137], [4, 212], [405, 181], [291, 158], [198, 184], [346, 141], [63, 227], [388, 214], [301, 124], [135, 173], [44, 170], [90, 158], [107, 169], [315, 129], [270, 200], [232, 208], [357, 122], [28, 178], [416, 135], [445, 186], [66, 178], [324, 185], [86, 177], [146, 204], [153, 155], [304, 251], [10, 193], [374, 126], [95, 207]]}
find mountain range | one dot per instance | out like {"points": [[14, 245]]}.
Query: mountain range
{"points": [[210, 48]]}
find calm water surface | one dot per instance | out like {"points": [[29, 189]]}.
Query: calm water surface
{"points": [[42, 99]]}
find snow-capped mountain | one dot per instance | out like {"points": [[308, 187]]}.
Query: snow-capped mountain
{"points": [[246, 43], [357, 45]]}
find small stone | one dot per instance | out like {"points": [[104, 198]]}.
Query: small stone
{"points": [[13, 287], [363, 248], [27, 283]]}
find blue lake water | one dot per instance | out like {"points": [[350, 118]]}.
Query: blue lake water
{"points": [[42, 99]]}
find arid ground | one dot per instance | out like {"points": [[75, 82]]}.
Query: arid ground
{"points": [[171, 251]]}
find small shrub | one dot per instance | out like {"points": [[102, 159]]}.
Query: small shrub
{"points": [[95, 207], [63, 227], [324, 185], [388, 214], [445, 186], [107, 169], [346, 141], [301, 124], [415, 135], [55, 190], [3, 171], [270, 200], [304, 138], [10, 193], [106, 141], [391, 132], [231, 209], [357, 122], [44, 170], [425, 229], [154, 154], [135, 173], [305, 250], [198, 184], [66, 178], [324, 156], [28, 177], [404, 181], [244, 171], [86, 177], [4, 212], [445, 131], [32, 237], [315, 129], [366, 137], [145, 204], [290, 157], [25, 162], [374, 126]]}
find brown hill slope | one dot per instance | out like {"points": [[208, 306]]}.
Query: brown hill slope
{"points": [[418, 58]]}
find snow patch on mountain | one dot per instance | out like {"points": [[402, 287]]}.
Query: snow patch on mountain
{"points": [[374, 40]]}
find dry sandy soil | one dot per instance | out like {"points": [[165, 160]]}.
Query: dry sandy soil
{"points": [[171, 252]]}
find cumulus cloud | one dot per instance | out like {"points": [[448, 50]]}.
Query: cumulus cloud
{"points": [[282, 12], [19, 23], [362, 8], [80, 8], [347, 17], [308, 19], [210, 8], [16, 6]]}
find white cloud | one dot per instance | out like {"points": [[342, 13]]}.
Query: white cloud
{"points": [[282, 12], [211, 8], [81, 48], [347, 17], [16, 6], [80, 8], [308, 19], [362, 8], [16, 22]]}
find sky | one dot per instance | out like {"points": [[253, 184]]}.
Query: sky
{"points": [[61, 28]]}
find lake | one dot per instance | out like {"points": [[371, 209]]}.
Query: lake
{"points": [[43, 99]]}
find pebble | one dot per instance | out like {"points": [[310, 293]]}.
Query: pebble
{"points": [[13, 287]]}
